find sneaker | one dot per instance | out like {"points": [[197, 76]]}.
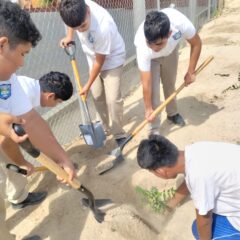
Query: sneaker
{"points": [[177, 119], [32, 199], [120, 141], [35, 237]]}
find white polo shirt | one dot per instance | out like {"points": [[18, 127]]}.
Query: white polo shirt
{"points": [[103, 38], [213, 178], [181, 28], [31, 87], [13, 99]]}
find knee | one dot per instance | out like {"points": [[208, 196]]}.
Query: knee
{"points": [[115, 101]]}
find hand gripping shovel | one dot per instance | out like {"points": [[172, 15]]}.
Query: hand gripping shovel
{"points": [[93, 133], [116, 155], [57, 170], [23, 171]]}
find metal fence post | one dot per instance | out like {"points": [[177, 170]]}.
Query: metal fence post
{"points": [[158, 5], [139, 13], [193, 11], [209, 9]]}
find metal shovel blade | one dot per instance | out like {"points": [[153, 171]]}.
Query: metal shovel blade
{"points": [[93, 134], [92, 204]]}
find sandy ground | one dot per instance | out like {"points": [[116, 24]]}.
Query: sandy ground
{"points": [[210, 115]]}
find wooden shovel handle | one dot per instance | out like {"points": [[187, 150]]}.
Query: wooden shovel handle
{"points": [[172, 96], [57, 170], [40, 169], [77, 77]]}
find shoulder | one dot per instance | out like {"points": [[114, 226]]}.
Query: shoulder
{"points": [[26, 82], [139, 38], [172, 13]]}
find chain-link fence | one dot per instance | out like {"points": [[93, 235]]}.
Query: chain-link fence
{"points": [[48, 56]]}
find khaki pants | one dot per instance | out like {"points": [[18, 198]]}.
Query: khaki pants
{"points": [[108, 100], [16, 184], [164, 68], [4, 231]]}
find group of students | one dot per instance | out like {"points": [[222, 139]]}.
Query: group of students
{"points": [[157, 41]]}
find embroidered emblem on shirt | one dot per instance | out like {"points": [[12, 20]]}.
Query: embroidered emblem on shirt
{"points": [[177, 35], [5, 91], [90, 38]]}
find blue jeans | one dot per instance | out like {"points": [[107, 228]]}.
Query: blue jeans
{"points": [[221, 229]]}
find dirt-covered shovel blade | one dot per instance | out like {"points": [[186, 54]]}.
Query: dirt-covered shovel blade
{"points": [[92, 132]]}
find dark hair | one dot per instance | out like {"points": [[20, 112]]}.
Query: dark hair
{"points": [[156, 152], [16, 25], [58, 83], [73, 12], [156, 26]]}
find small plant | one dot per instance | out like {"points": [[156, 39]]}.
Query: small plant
{"points": [[156, 199]]}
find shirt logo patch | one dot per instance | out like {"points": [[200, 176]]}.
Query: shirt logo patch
{"points": [[90, 38], [177, 35], [5, 91]]}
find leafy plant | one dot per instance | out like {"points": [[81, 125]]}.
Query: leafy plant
{"points": [[156, 199]]}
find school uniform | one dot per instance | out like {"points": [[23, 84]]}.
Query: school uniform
{"points": [[103, 37], [163, 64], [212, 174], [14, 101], [31, 88]]}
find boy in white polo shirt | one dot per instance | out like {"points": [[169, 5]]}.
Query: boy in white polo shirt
{"points": [[51, 89], [212, 177], [157, 42], [18, 35], [105, 51]]}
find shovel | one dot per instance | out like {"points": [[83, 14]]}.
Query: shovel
{"points": [[115, 157], [57, 170], [23, 171], [92, 133]]}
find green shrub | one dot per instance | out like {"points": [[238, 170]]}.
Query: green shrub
{"points": [[157, 200]]}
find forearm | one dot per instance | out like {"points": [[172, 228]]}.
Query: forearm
{"points": [[147, 89], [204, 226], [70, 33], [42, 137], [181, 193], [196, 47], [11, 149]]}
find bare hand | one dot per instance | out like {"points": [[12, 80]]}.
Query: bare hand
{"points": [[85, 91], [70, 170], [149, 116], [65, 41], [189, 78], [6, 121]]}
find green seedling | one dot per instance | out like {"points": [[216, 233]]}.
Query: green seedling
{"points": [[157, 200]]}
